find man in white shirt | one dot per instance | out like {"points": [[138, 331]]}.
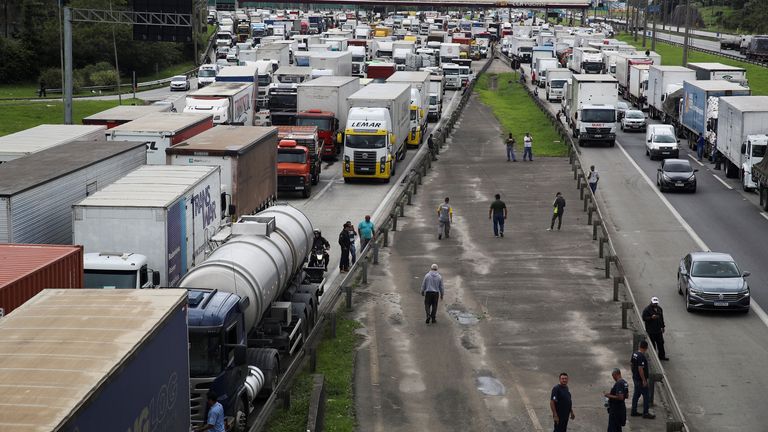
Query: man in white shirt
{"points": [[528, 147], [592, 178]]}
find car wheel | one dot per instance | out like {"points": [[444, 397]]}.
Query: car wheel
{"points": [[647, 153], [622, 127], [688, 307], [679, 288]]}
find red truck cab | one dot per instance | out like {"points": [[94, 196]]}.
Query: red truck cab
{"points": [[327, 126], [293, 168]]}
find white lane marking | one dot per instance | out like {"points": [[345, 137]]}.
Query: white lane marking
{"points": [[324, 189], [703, 246], [693, 158], [764, 214], [722, 181]]}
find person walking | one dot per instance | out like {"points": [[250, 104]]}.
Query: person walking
{"points": [[41, 91], [352, 238], [511, 148], [498, 212], [561, 405], [617, 410], [344, 244], [716, 158], [432, 148], [367, 232], [215, 418], [592, 178], [444, 219], [528, 147], [640, 376], [431, 290], [700, 142], [653, 316], [558, 208]]}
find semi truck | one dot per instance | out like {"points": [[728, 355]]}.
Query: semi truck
{"points": [[623, 64], [741, 122], [29, 269], [95, 360], [757, 49], [696, 115], [436, 94], [323, 103], [591, 108], [294, 168], [122, 114], [540, 68], [380, 71], [230, 103], [160, 131], [37, 192], [278, 52], [419, 82], [307, 137], [338, 63], [246, 156], [718, 71], [448, 52], [252, 304], [662, 81], [167, 213], [586, 61], [45, 136], [555, 85], [376, 131], [638, 84], [760, 176]]}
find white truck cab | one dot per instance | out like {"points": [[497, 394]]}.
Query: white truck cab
{"points": [[452, 74], [118, 271]]}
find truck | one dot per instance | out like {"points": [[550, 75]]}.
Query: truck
{"points": [[160, 131], [419, 82], [540, 68], [38, 138], [760, 174], [229, 103], [541, 52], [380, 71], [29, 269], [258, 73], [757, 49], [252, 304], [740, 136], [623, 64], [718, 71], [37, 192], [307, 137], [376, 131], [452, 74], [448, 52], [323, 103], [662, 81], [521, 48], [591, 108], [278, 52], [359, 55], [555, 83], [294, 168], [122, 114], [167, 213], [206, 74], [436, 94], [696, 115], [126, 342], [246, 157], [339, 63], [586, 61], [638, 85]]}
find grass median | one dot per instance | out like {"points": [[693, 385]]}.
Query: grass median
{"points": [[673, 56], [518, 114], [20, 115], [335, 360]]}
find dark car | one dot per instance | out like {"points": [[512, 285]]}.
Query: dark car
{"points": [[676, 174], [712, 280]]}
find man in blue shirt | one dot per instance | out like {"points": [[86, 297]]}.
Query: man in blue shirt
{"points": [[215, 421], [366, 230], [561, 405], [617, 411]]}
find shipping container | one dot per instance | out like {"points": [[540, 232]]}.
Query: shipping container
{"points": [[166, 213], [45, 136], [123, 114], [247, 156], [37, 192], [25, 270], [96, 361]]}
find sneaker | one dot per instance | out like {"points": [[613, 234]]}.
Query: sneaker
{"points": [[439, 236], [496, 235], [649, 416], [665, 358], [549, 229], [433, 321], [427, 320], [501, 234]]}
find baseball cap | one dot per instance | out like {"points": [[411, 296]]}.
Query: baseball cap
{"points": [[655, 300]]}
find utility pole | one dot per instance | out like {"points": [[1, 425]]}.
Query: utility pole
{"points": [[653, 35], [686, 39], [647, 6], [626, 18], [67, 84]]}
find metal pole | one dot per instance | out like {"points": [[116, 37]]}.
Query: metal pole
{"points": [[686, 40], [645, 20], [67, 65], [653, 34]]}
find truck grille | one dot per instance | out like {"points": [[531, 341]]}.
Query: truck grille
{"points": [[716, 296], [598, 130], [289, 181], [198, 390], [365, 162]]}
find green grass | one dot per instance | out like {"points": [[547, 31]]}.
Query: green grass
{"points": [[673, 56], [335, 360], [518, 114], [20, 115]]}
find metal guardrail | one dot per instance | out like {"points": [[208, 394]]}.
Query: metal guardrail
{"points": [[607, 251]]}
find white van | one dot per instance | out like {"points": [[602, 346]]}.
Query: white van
{"points": [[661, 142]]}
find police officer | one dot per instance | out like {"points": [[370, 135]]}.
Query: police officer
{"points": [[640, 381], [617, 411], [561, 405]]}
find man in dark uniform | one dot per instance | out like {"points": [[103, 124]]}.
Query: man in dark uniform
{"points": [[617, 411], [653, 316], [640, 381], [561, 405]]}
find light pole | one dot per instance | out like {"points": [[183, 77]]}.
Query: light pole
{"points": [[687, 31]]}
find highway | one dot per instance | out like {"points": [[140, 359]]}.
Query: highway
{"points": [[716, 359]]}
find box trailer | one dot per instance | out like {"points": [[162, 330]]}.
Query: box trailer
{"points": [[718, 71], [322, 102], [28, 269], [339, 63], [161, 131], [37, 192], [96, 360], [419, 82], [123, 114], [695, 112], [591, 108], [167, 213], [247, 158], [663, 81], [740, 117], [45, 136], [278, 52]]}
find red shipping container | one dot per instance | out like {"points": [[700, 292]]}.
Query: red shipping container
{"points": [[25, 270]]}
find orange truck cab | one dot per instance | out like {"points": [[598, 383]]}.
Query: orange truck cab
{"points": [[305, 136], [293, 168]]}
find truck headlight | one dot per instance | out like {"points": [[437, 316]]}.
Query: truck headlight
{"points": [[346, 163], [382, 164]]}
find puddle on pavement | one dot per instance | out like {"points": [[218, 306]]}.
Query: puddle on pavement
{"points": [[490, 386], [464, 318]]}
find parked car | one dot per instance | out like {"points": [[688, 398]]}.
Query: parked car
{"points": [[676, 174], [634, 120], [712, 280], [180, 82], [621, 109]]}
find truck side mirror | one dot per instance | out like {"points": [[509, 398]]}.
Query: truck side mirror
{"points": [[339, 137], [743, 148], [231, 210], [223, 203], [155, 278]]}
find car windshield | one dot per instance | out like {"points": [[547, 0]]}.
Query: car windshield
{"points": [[664, 139], [179, 79], [598, 116], [622, 105], [677, 167], [635, 115], [366, 141], [207, 73], [204, 357], [715, 269], [291, 156], [110, 279]]}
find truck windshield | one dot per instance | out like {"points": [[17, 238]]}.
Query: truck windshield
{"points": [[110, 279], [321, 123], [450, 71], [206, 73], [598, 116], [366, 141], [557, 84], [758, 150], [265, 80], [433, 99], [414, 114], [291, 156], [593, 67], [282, 101], [204, 354], [761, 43]]}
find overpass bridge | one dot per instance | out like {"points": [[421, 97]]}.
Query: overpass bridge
{"points": [[523, 4]]}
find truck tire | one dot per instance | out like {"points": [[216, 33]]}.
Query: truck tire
{"points": [[268, 361], [307, 190], [731, 170], [316, 178], [611, 143], [241, 417]]}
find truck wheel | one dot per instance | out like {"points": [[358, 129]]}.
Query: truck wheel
{"points": [[268, 362], [393, 168], [241, 417], [316, 179], [307, 191], [611, 143]]}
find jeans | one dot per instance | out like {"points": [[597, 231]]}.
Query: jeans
{"points": [[444, 228], [498, 224], [700, 151], [657, 339], [511, 153], [593, 186], [364, 242], [528, 151], [639, 390], [562, 426], [430, 303], [353, 252], [344, 259]]}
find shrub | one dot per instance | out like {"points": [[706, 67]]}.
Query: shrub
{"points": [[103, 78]]}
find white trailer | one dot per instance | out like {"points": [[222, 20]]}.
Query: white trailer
{"points": [[540, 68], [638, 80], [738, 118], [556, 80], [339, 63], [419, 82], [167, 213], [45, 136], [278, 52], [229, 103], [329, 94], [660, 78], [448, 52], [591, 108]]}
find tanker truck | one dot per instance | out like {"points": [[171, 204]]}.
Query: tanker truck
{"points": [[252, 303]]}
